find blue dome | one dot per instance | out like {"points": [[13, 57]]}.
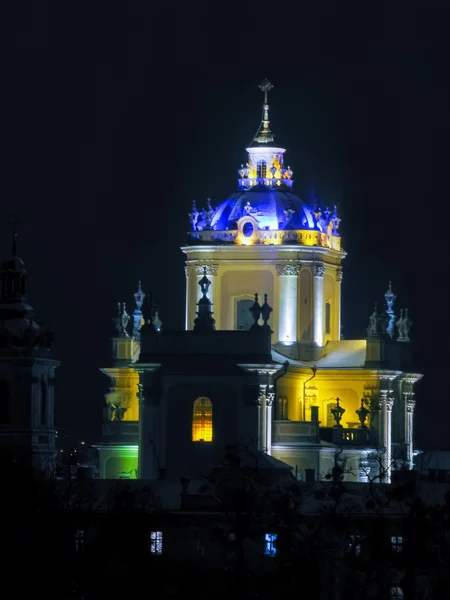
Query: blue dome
{"points": [[267, 206]]}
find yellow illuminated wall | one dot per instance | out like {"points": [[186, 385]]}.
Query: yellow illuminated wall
{"points": [[123, 393], [241, 284], [202, 423], [350, 387]]}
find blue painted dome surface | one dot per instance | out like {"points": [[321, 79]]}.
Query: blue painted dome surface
{"points": [[267, 206]]}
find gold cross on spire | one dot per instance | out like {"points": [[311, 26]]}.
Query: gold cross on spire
{"points": [[265, 86], [15, 222]]}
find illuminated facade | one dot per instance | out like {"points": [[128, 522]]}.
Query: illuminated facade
{"points": [[27, 374], [317, 394]]}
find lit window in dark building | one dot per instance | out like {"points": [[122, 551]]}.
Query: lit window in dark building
{"points": [[270, 539], [156, 542], [79, 540], [261, 169], [397, 543], [202, 424]]}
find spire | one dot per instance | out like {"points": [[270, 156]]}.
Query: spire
{"points": [[139, 298], [13, 276], [264, 135], [204, 321], [15, 222], [389, 297]]}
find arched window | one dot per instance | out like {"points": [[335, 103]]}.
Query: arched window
{"points": [[261, 169], [202, 422], [4, 402], [327, 317], [282, 408], [244, 319]]}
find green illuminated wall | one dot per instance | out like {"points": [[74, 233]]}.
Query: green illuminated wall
{"points": [[118, 462]]}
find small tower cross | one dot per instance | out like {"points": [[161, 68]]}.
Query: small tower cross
{"points": [[265, 86]]}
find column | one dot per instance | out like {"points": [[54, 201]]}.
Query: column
{"points": [[409, 405], [270, 397], [287, 302], [188, 271], [389, 406], [386, 405], [140, 396], [51, 402], [319, 272], [338, 292], [262, 418]]}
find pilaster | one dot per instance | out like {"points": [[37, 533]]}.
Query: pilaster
{"points": [[338, 302], [319, 272], [287, 301]]}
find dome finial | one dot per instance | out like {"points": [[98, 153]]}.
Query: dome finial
{"points": [[264, 135], [15, 222]]}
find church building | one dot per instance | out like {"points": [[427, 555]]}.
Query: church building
{"points": [[261, 362], [27, 374]]}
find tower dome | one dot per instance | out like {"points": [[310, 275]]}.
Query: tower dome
{"points": [[264, 239], [264, 209]]}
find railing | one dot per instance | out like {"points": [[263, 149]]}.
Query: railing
{"points": [[348, 437], [303, 237], [295, 432]]}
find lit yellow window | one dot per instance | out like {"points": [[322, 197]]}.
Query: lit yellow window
{"points": [[202, 427]]}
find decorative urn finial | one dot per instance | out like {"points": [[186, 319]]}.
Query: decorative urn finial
{"points": [[204, 321], [255, 309], [403, 326], [362, 413], [121, 320], [265, 312], [139, 297], [337, 412]]}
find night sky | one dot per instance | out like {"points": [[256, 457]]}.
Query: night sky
{"points": [[113, 121]]}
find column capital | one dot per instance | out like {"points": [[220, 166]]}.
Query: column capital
{"points": [[389, 403], [211, 268], [319, 269], [339, 273], [261, 394], [288, 268], [199, 268], [270, 397], [410, 405]]}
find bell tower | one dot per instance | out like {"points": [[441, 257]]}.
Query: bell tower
{"points": [[27, 373], [264, 238]]}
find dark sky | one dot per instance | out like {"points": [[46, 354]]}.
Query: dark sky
{"points": [[114, 119]]}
